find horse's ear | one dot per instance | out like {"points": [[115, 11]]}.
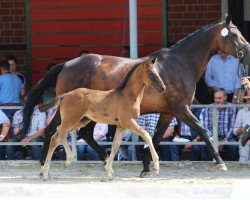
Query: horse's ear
{"points": [[152, 60], [228, 18]]}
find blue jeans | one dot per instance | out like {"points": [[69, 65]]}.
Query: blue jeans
{"points": [[232, 150], [200, 153], [126, 152], [85, 152], [2, 152], [169, 152], [36, 150]]}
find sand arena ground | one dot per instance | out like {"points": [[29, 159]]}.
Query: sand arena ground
{"points": [[176, 180]]}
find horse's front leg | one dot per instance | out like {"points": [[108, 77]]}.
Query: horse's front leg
{"points": [[161, 127], [115, 146], [188, 118]]}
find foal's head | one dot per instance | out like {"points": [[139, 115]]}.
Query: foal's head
{"points": [[151, 75]]}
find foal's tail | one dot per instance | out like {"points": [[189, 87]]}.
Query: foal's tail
{"points": [[52, 104]]}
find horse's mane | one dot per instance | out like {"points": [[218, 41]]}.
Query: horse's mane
{"points": [[194, 34], [129, 74]]}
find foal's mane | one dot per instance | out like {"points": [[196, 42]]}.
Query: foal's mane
{"points": [[128, 76]]}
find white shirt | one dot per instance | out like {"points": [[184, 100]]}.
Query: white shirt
{"points": [[242, 118], [38, 120], [3, 117]]}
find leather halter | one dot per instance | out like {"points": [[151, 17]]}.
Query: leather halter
{"points": [[239, 50]]}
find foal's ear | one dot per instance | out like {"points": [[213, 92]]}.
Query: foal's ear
{"points": [[152, 60]]}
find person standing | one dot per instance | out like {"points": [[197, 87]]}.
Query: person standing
{"points": [[11, 89], [12, 60], [223, 71]]}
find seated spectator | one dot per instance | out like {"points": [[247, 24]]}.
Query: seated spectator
{"points": [[11, 88], [243, 119], [185, 134], [35, 134], [226, 121], [85, 152], [5, 125], [166, 151], [126, 51]]}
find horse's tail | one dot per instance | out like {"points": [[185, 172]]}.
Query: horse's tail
{"points": [[34, 96], [52, 104]]}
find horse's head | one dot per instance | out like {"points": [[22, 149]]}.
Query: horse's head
{"points": [[151, 75], [232, 42]]}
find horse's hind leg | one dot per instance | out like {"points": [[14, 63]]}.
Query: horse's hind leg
{"points": [[188, 118], [135, 128], [49, 132], [115, 146]]}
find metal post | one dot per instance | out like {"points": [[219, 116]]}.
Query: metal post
{"points": [[215, 128], [133, 28], [134, 138], [73, 144]]}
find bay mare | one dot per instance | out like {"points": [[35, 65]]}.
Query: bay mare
{"points": [[120, 107], [181, 66]]}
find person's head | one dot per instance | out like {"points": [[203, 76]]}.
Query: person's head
{"points": [[83, 52], [12, 60], [220, 96], [222, 54], [4, 66], [126, 51]]}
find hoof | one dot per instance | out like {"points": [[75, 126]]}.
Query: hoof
{"points": [[145, 174], [106, 180], [221, 167], [65, 166], [41, 175], [45, 178]]}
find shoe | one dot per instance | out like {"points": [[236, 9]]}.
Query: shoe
{"points": [[245, 135]]}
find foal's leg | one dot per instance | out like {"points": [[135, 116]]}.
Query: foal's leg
{"points": [[53, 144], [161, 127], [115, 146], [187, 117], [135, 128], [69, 155]]}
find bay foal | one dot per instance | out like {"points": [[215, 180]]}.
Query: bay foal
{"points": [[120, 106]]}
